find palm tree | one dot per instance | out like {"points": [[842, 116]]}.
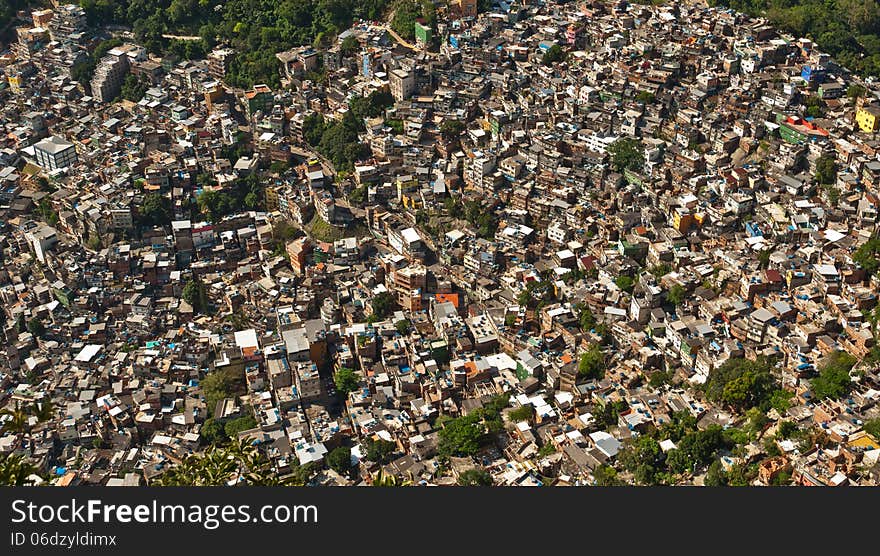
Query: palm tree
{"points": [[19, 419], [43, 411], [16, 471], [383, 480], [218, 466], [17, 423]]}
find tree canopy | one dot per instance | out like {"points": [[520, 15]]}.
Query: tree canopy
{"points": [[676, 294], [846, 29], [741, 383], [466, 435], [475, 477], [552, 55], [196, 294], [592, 363], [834, 381], [379, 450], [219, 385], [339, 460], [256, 29], [626, 154], [867, 255], [346, 380], [382, 304]]}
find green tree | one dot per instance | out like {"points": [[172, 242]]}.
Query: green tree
{"points": [[382, 304], [867, 255], [644, 459], [349, 46], [462, 436], [659, 378], [826, 169], [626, 154], [452, 129], [786, 429], [855, 91], [239, 462], [624, 282], [715, 476], [15, 470], [383, 480], [196, 294], [676, 294], [402, 326], [358, 195], [313, 128], [36, 327], [592, 363], [522, 413], [235, 426], [133, 88], [380, 451], [586, 319], [220, 385], [741, 383], [553, 55], [605, 475], [339, 460], [475, 477], [872, 427], [660, 270], [406, 12], [346, 380], [155, 210], [834, 380], [212, 432]]}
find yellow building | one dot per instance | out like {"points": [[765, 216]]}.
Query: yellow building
{"points": [[15, 82], [683, 220], [868, 118]]}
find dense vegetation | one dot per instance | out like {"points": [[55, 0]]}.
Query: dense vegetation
{"points": [[246, 192], [867, 255], [846, 29], [133, 88], [256, 29], [346, 380], [407, 12], [196, 294], [337, 140], [83, 71], [481, 218]]}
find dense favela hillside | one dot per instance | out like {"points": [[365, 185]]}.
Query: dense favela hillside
{"points": [[846, 29], [415, 243]]}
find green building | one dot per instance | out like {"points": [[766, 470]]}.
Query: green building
{"points": [[791, 135], [423, 34]]}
